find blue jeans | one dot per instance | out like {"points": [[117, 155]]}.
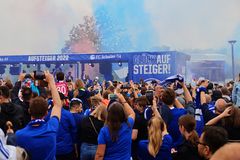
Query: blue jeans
{"points": [[88, 151]]}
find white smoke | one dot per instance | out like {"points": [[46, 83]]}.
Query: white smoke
{"points": [[188, 24], [39, 26]]}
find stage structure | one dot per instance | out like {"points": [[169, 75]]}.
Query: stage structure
{"points": [[111, 66]]}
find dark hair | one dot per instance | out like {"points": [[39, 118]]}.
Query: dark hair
{"points": [[116, 116], [74, 102], [142, 101], [233, 120], [225, 91], [189, 123], [60, 76], [38, 107], [143, 90], [26, 93], [4, 91], [9, 84], [216, 95], [168, 96], [214, 137]]}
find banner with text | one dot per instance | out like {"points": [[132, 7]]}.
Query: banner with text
{"points": [[157, 66]]}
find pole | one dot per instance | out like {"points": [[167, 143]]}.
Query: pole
{"points": [[232, 42]]}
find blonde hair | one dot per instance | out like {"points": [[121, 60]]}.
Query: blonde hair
{"points": [[95, 101], [100, 113], [155, 128], [79, 84]]}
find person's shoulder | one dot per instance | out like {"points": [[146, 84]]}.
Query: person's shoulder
{"points": [[22, 132], [167, 138], [53, 119]]}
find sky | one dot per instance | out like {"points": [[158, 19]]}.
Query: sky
{"points": [[43, 26]]}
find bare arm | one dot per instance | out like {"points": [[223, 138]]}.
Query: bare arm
{"points": [[203, 98], [154, 108], [56, 111], [187, 94], [127, 109], [219, 117], [100, 152], [134, 134], [133, 88], [178, 104]]}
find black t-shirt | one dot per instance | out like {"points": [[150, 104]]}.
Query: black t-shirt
{"points": [[186, 151], [88, 134], [141, 125]]}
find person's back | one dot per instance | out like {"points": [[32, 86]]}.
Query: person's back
{"points": [[41, 138], [115, 138], [66, 135], [9, 111], [121, 148], [163, 154]]}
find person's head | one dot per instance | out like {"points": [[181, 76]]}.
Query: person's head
{"points": [[143, 90], [211, 140], [70, 86], [141, 103], [155, 129], [220, 106], [168, 96], [202, 82], [158, 91], [26, 93], [105, 94], [38, 108], [216, 94], [100, 113], [95, 102], [60, 76], [8, 83], [187, 126], [69, 73], [111, 89], [76, 105], [234, 119], [115, 117], [79, 84], [225, 91], [4, 94], [229, 151]]}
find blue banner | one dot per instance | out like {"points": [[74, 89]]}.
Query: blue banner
{"points": [[153, 66]]}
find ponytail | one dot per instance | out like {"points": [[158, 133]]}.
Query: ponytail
{"points": [[155, 128], [193, 138]]}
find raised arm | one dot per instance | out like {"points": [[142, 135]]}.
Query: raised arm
{"points": [[56, 111], [127, 109], [154, 108], [215, 120], [187, 94]]}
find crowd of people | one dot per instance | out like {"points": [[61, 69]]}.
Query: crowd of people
{"points": [[43, 117]]}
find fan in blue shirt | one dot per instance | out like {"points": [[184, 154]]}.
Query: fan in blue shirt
{"points": [[159, 143], [168, 98], [114, 139], [38, 138]]}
